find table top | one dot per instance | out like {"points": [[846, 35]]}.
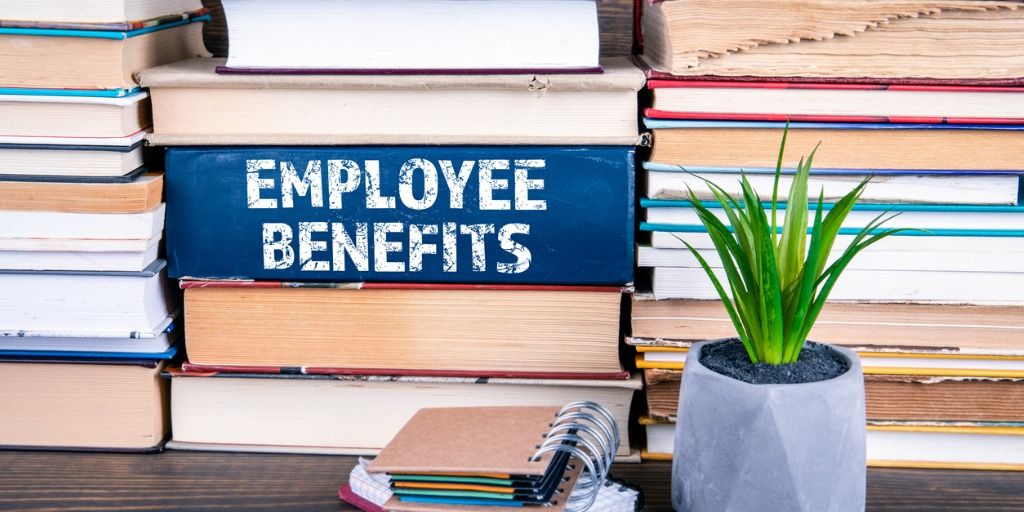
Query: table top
{"points": [[177, 480]]}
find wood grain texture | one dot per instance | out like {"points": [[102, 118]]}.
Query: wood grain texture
{"points": [[200, 481], [615, 19]]}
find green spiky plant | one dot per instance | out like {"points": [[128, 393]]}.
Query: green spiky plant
{"points": [[779, 282]]}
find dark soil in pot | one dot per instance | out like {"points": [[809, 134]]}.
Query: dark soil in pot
{"points": [[817, 362]]}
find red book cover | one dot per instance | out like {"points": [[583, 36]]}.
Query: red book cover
{"points": [[348, 496]]}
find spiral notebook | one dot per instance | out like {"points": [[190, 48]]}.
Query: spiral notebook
{"points": [[484, 457]]}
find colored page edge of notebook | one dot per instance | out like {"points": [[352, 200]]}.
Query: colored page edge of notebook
{"points": [[98, 34], [114, 26], [151, 270]]}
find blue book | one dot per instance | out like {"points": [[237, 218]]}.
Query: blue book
{"points": [[481, 214]]}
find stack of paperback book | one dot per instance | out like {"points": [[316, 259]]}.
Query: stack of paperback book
{"points": [[86, 321], [369, 222], [937, 315]]}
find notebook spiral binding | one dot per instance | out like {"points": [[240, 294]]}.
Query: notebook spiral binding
{"points": [[588, 433]]}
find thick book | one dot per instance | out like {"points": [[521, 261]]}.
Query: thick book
{"points": [[81, 254], [139, 195], [84, 304], [193, 105], [59, 120], [858, 42], [833, 102], [94, 59], [905, 445], [317, 36], [119, 15], [508, 214], [75, 405], [857, 148], [367, 328], [922, 398], [927, 329], [665, 182], [351, 414]]}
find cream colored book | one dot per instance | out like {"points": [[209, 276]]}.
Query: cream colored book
{"points": [[193, 105]]}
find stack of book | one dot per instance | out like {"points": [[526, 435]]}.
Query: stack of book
{"points": [[366, 223], [86, 321], [937, 315]]}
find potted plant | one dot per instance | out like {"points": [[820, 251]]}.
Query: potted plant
{"points": [[770, 421]]}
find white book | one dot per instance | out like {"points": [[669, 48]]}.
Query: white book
{"points": [[84, 304], [70, 161], [73, 116], [85, 255], [876, 257], [295, 413], [413, 34], [79, 226], [993, 189], [922, 217], [993, 246], [163, 337], [992, 288], [94, 11], [912, 445]]}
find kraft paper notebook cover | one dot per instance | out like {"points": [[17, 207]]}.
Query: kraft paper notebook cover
{"points": [[463, 441]]}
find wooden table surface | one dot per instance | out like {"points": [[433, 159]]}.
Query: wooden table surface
{"points": [[199, 481]]}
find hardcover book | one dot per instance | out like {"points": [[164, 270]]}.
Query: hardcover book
{"points": [[509, 214], [194, 105], [94, 59]]}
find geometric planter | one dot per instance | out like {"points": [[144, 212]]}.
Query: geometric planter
{"points": [[787, 447]]}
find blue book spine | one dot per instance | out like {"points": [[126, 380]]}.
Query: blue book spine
{"points": [[442, 214]]}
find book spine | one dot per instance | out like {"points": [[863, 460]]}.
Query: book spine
{"points": [[487, 214]]}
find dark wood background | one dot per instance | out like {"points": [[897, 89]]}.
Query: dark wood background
{"points": [[616, 19], [174, 480]]}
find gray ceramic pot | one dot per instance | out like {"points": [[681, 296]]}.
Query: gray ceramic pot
{"points": [[792, 447]]}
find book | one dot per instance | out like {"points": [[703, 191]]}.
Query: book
{"points": [[58, 225], [94, 59], [942, 220], [131, 255], [921, 398], [489, 214], [70, 405], [861, 42], [890, 362], [30, 161], [405, 328], [832, 102], [857, 147], [926, 329], [73, 120], [84, 304], [117, 13], [355, 415], [906, 445], [995, 189], [161, 343], [194, 105], [142, 194], [900, 255], [316, 36]]}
